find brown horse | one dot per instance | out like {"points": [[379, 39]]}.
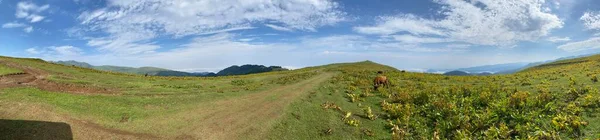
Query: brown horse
{"points": [[380, 81]]}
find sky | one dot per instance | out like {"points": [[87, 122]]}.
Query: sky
{"points": [[209, 35]]}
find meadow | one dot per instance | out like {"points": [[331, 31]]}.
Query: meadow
{"points": [[135, 103], [558, 100], [5, 70]]}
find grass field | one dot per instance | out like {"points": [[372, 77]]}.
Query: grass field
{"points": [[556, 100], [4, 70]]}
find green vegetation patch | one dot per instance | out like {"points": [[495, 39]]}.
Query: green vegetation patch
{"points": [[123, 112], [558, 102], [5, 70]]}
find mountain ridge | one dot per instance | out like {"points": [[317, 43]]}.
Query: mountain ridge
{"points": [[155, 71]]}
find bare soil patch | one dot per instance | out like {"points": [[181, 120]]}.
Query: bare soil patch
{"points": [[37, 78], [80, 129]]}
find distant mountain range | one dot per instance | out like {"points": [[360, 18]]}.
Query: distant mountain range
{"points": [[154, 71], [506, 68], [485, 70]]}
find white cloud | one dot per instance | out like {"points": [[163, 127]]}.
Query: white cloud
{"points": [[404, 23], [56, 51], [558, 39], [291, 67], [66, 50], [355, 43], [459, 46], [30, 11], [279, 28], [33, 51], [240, 27], [246, 39], [591, 20], [481, 22], [592, 43], [338, 42], [36, 18], [332, 52], [28, 29], [156, 18], [418, 40], [13, 25]]}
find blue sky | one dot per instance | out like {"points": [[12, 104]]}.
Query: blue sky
{"points": [[208, 35]]}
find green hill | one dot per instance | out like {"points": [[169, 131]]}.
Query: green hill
{"points": [[248, 69], [559, 100], [457, 73]]}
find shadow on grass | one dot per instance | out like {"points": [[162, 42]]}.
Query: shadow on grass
{"points": [[26, 130]]}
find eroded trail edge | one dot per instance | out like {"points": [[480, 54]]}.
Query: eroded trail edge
{"points": [[34, 77], [246, 117]]}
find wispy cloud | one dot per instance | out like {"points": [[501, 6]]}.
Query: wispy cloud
{"points": [[66, 50], [357, 43], [177, 34], [56, 51], [28, 29], [410, 39], [30, 11], [279, 28], [13, 25], [591, 20], [482, 23], [388, 25], [592, 43], [33, 51], [131, 25], [558, 39]]}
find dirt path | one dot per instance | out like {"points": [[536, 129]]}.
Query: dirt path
{"points": [[37, 78], [79, 129], [246, 117]]}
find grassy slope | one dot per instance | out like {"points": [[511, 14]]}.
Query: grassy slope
{"points": [[430, 97], [452, 107], [306, 119], [140, 97], [4, 70]]}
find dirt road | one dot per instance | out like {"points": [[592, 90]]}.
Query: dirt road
{"points": [[246, 117]]}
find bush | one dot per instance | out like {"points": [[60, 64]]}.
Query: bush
{"points": [[240, 82]]}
